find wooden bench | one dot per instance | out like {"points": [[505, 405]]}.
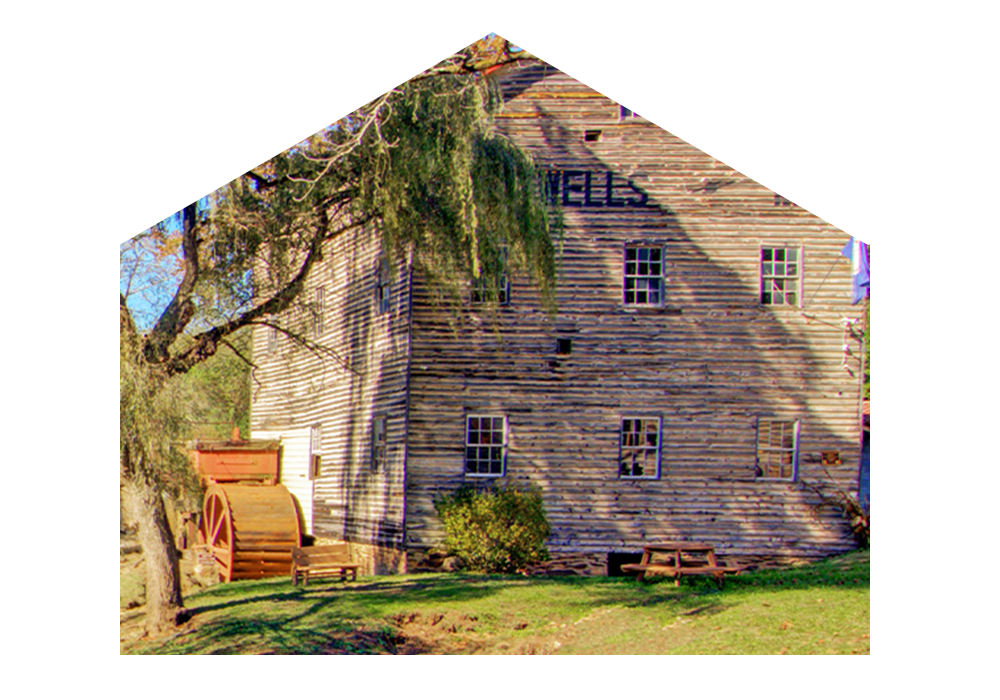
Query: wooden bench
{"points": [[322, 562]]}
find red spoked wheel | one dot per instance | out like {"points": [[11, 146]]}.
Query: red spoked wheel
{"points": [[250, 529]]}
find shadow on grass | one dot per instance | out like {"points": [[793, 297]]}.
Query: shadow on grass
{"points": [[245, 635], [787, 579], [836, 574], [273, 617]]}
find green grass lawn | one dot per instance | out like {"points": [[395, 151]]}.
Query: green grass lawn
{"points": [[816, 609]]}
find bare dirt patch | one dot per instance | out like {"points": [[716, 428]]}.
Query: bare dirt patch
{"points": [[459, 633]]}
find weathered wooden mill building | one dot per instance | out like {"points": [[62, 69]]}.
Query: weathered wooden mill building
{"points": [[704, 363]]}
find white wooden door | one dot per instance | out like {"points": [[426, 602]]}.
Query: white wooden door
{"points": [[294, 470]]}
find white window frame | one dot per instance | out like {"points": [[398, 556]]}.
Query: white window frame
{"points": [[632, 98], [479, 445], [764, 279], [623, 447], [789, 428], [634, 274], [315, 450]]}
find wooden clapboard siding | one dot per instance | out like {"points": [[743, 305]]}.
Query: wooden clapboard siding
{"points": [[362, 372], [708, 363]]}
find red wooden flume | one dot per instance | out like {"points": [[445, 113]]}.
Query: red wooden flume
{"points": [[250, 522]]}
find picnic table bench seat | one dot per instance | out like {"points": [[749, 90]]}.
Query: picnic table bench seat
{"points": [[724, 568], [322, 561], [671, 569]]}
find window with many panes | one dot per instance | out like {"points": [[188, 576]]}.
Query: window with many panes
{"points": [[643, 278], [380, 443], [492, 287], [645, 73], [780, 276], [485, 445], [777, 449], [639, 454]]}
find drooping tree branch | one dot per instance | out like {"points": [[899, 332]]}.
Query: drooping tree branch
{"points": [[391, 72], [206, 343]]}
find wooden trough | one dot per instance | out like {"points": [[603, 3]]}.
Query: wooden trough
{"points": [[250, 529], [236, 460]]}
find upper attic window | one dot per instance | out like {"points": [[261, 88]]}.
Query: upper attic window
{"points": [[780, 276], [592, 136], [645, 73], [624, 113]]}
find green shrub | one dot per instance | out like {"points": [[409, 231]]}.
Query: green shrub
{"points": [[498, 529]]}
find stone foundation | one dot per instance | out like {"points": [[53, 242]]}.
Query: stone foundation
{"points": [[381, 561], [374, 560], [418, 561], [573, 564]]}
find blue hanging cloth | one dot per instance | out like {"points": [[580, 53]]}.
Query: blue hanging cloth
{"points": [[857, 253]]}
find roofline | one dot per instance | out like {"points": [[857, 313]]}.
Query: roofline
{"points": [[801, 75]]}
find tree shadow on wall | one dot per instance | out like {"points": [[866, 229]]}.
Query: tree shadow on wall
{"points": [[711, 361]]}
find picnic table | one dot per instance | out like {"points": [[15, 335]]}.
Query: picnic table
{"points": [[682, 559]]}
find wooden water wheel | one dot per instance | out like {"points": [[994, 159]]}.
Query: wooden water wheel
{"points": [[250, 529]]}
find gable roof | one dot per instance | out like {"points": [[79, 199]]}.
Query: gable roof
{"points": [[799, 74]]}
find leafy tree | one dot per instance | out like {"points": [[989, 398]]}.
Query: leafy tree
{"points": [[421, 164], [848, 66], [216, 393]]}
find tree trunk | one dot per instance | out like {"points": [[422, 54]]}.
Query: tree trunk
{"points": [[163, 582], [141, 478]]}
